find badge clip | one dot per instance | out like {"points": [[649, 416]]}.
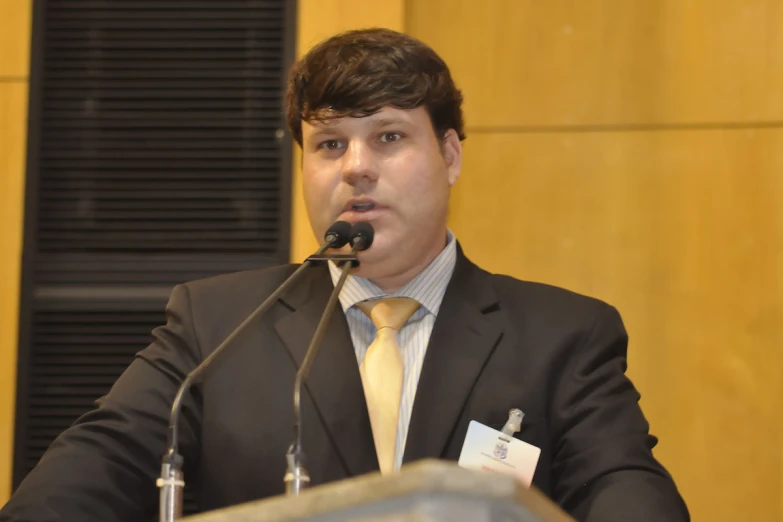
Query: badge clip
{"points": [[513, 425]]}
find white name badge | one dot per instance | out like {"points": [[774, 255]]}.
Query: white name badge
{"points": [[489, 450]]}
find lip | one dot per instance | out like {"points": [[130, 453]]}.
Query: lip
{"points": [[360, 201], [353, 216]]}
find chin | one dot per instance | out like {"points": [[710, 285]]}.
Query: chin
{"points": [[376, 259]]}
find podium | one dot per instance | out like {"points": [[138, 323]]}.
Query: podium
{"points": [[426, 491]]}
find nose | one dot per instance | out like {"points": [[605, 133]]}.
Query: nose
{"points": [[358, 163]]}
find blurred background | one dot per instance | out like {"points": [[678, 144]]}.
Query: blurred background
{"points": [[627, 149]]}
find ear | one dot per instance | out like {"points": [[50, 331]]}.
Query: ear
{"points": [[452, 154]]}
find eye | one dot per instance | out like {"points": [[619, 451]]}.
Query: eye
{"points": [[329, 145], [389, 137]]}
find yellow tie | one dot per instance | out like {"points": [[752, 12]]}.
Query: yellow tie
{"points": [[382, 371]]}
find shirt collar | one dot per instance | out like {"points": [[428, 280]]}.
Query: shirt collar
{"points": [[428, 287]]}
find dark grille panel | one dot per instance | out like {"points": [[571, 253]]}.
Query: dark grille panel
{"points": [[157, 156], [76, 357], [133, 158]]}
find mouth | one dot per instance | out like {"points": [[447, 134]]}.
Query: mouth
{"points": [[361, 206]]}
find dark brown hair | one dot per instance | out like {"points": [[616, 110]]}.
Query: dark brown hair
{"points": [[358, 73]]}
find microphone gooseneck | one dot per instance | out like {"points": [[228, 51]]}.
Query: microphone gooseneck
{"points": [[297, 477], [171, 481]]}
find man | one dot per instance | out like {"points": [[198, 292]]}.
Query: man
{"points": [[380, 124]]}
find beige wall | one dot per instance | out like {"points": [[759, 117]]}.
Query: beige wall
{"points": [[634, 151], [14, 58]]}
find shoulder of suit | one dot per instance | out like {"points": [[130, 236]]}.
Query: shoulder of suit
{"points": [[542, 298]]}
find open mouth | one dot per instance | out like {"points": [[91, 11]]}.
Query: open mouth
{"points": [[362, 207]]}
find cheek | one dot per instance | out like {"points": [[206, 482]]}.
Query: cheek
{"points": [[433, 179], [420, 175], [425, 194], [316, 187]]}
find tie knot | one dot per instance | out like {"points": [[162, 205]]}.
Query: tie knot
{"points": [[389, 312]]}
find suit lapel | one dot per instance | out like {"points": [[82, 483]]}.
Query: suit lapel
{"points": [[334, 384], [466, 332]]}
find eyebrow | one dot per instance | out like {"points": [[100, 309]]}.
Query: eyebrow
{"points": [[324, 129], [381, 122]]}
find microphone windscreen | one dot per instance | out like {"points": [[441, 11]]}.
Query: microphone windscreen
{"points": [[338, 234], [362, 235]]}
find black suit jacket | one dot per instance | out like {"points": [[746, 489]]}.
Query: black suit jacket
{"points": [[498, 343]]}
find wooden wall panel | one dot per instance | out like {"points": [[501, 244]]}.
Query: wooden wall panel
{"points": [[15, 22], [13, 137], [609, 62], [683, 232], [316, 20]]}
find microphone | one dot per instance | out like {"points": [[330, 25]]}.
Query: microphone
{"points": [[361, 236], [297, 477], [171, 481]]}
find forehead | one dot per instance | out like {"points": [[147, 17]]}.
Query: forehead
{"points": [[388, 116]]}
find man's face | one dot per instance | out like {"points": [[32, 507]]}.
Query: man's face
{"points": [[389, 169]]}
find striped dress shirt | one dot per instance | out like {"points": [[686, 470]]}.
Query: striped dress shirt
{"points": [[428, 289]]}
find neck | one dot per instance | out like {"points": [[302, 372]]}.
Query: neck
{"points": [[392, 283]]}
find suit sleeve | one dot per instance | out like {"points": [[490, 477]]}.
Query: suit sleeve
{"points": [[603, 462], [104, 467]]}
